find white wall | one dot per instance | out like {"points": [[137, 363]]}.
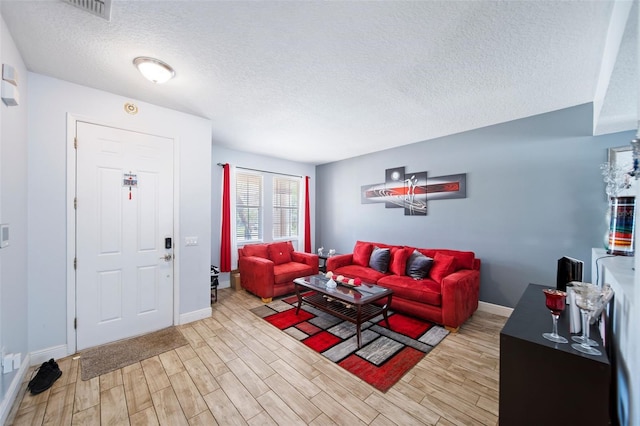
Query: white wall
{"points": [[248, 160], [13, 210], [50, 100]]}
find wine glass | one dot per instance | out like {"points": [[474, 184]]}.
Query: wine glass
{"points": [[555, 300], [580, 290], [587, 301]]}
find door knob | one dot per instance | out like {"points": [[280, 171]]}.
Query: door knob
{"points": [[167, 257]]}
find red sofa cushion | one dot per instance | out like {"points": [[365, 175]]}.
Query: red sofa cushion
{"points": [[366, 274], [399, 257], [464, 259], [443, 265], [280, 253], [362, 253], [258, 250], [423, 291]]}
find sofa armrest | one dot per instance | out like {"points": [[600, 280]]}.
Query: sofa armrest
{"points": [[460, 294], [256, 275], [476, 264], [306, 258], [338, 261]]}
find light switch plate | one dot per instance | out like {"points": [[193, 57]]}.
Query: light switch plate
{"points": [[10, 95], [17, 359], [7, 363], [10, 74], [191, 241], [4, 235]]}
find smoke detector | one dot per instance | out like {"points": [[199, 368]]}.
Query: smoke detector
{"points": [[101, 8]]}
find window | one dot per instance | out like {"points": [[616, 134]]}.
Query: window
{"points": [[268, 207], [248, 207], [286, 202]]}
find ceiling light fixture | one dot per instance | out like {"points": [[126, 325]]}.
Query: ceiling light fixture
{"points": [[154, 69]]}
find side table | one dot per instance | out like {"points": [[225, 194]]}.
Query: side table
{"points": [[322, 261], [546, 383]]}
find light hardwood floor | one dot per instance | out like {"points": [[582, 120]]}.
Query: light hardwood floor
{"points": [[240, 370]]}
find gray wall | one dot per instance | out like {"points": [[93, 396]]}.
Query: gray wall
{"points": [[534, 194], [13, 210]]}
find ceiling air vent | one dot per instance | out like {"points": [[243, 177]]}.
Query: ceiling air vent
{"points": [[101, 8]]}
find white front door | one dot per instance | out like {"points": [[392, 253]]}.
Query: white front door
{"points": [[124, 218]]}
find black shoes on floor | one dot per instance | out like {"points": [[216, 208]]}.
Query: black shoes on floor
{"points": [[47, 374]]}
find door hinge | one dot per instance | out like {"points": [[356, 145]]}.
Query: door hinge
{"points": [[75, 203], [75, 142], [75, 323], [75, 263]]}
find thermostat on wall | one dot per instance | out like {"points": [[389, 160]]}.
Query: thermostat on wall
{"points": [[4, 235]]}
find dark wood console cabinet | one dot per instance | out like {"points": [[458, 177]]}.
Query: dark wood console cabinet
{"points": [[547, 383]]}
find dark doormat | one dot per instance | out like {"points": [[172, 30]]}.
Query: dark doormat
{"points": [[106, 358]]}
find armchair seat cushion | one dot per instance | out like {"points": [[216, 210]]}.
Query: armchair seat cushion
{"points": [[286, 272]]}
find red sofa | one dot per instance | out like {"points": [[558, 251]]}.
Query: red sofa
{"points": [[268, 270], [447, 296]]}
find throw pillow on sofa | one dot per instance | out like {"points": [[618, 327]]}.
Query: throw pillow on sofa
{"points": [[362, 253], [443, 265], [464, 259], [379, 259], [280, 253], [418, 265], [399, 257]]}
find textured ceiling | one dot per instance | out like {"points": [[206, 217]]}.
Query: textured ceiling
{"points": [[319, 81]]}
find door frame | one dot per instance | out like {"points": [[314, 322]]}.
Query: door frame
{"points": [[72, 119]]}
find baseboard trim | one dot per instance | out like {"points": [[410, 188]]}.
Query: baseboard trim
{"points": [[55, 352], [490, 308], [195, 315], [14, 390]]}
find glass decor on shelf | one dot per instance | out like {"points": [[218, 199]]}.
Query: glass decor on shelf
{"points": [[555, 301]]}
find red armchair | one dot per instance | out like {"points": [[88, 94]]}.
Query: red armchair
{"points": [[268, 270]]}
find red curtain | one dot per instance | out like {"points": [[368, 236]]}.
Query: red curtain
{"points": [[307, 218], [225, 237]]}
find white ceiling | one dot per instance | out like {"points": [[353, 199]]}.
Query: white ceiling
{"points": [[318, 81]]}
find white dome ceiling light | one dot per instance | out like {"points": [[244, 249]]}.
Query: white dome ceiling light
{"points": [[153, 69]]}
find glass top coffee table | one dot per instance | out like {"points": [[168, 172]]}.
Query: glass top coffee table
{"points": [[350, 303]]}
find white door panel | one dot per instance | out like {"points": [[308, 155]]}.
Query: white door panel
{"points": [[124, 286]]}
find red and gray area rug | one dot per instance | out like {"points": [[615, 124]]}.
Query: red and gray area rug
{"points": [[386, 354]]}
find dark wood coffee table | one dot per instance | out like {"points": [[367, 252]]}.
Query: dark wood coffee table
{"points": [[350, 303]]}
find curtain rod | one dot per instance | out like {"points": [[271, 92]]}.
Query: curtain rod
{"points": [[262, 171]]}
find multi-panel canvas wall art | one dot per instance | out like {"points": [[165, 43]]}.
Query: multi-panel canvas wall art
{"points": [[411, 191]]}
